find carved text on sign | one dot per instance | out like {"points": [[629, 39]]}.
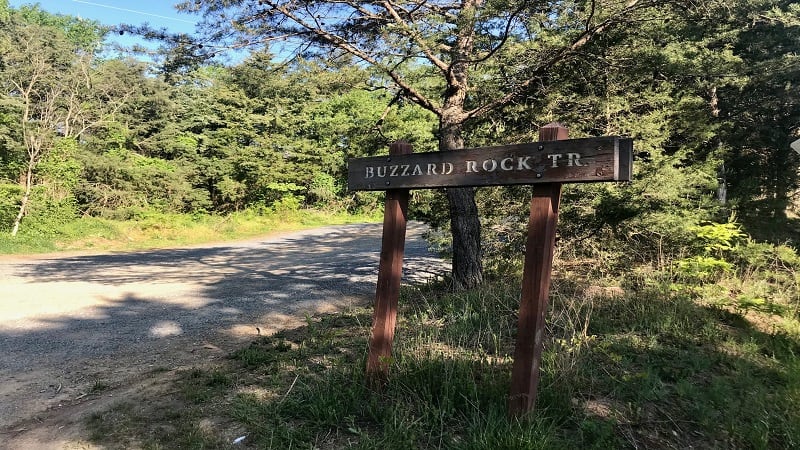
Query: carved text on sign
{"points": [[576, 160]]}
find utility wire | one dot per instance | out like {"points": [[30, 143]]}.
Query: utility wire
{"points": [[133, 11]]}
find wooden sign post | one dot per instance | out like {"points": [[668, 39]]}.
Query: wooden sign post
{"points": [[545, 165], [390, 270], [539, 248]]}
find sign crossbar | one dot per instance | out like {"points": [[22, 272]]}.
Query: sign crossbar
{"points": [[568, 161]]}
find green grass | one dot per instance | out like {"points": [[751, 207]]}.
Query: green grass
{"points": [[653, 368], [655, 359], [157, 230]]}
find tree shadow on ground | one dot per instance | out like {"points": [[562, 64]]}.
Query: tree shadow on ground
{"points": [[163, 308], [659, 373], [665, 372]]}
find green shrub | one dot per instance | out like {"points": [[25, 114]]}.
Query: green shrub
{"points": [[289, 202], [10, 194], [324, 190], [46, 214], [718, 237], [702, 268]]}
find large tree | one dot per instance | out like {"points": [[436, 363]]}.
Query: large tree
{"points": [[48, 86], [514, 45], [33, 64]]}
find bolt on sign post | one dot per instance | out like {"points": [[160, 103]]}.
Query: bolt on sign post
{"points": [[795, 146], [545, 165]]}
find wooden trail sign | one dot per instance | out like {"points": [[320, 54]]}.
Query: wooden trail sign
{"points": [[546, 165], [569, 161]]}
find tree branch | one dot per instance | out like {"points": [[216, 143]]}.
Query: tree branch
{"points": [[559, 56], [415, 37], [503, 40], [342, 44]]}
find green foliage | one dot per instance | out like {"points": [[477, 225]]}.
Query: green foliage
{"points": [[761, 166], [287, 203], [718, 237], [10, 195], [715, 241], [664, 87], [59, 168], [324, 190], [702, 268], [48, 213], [120, 180], [770, 278], [5, 11], [48, 100], [11, 148], [83, 34]]}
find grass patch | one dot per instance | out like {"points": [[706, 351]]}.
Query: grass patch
{"points": [[648, 369], [155, 427], [23, 244], [157, 230], [180, 418], [99, 386]]}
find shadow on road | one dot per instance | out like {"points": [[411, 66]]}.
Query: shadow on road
{"points": [[90, 315]]}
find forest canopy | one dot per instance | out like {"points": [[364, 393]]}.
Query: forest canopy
{"points": [[708, 92]]}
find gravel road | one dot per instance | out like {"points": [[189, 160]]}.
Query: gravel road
{"points": [[72, 324]]}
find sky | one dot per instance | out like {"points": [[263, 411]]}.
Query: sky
{"points": [[157, 13]]}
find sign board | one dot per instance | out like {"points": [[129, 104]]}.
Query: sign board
{"points": [[795, 145], [565, 161]]}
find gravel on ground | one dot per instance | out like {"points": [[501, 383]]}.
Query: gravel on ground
{"points": [[77, 330]]}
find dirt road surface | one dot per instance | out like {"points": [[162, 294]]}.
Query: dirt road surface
{"points": [[78, 330]]}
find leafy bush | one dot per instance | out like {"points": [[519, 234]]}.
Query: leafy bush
{"points": [[9, 204], [289, 202], [324, 190], [770, 273], [46, 214], [702, 268], [284, 196], [718, 237]]}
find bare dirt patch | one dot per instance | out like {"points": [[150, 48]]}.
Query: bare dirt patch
{"points": [[82, 332]]}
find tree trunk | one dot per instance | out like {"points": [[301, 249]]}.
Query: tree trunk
{"points": [[23, 206], [466, 230], [465, 225]]}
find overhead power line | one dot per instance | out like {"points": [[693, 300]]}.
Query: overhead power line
{"points": [[133, 11]]}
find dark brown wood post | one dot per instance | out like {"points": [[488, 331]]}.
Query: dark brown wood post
{"points": [[535, 286], [390, 271]]}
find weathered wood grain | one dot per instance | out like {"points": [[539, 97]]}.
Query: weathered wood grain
{"points": [[568, 161]]}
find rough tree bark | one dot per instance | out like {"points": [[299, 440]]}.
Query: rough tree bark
{"points": [[465, 225]]}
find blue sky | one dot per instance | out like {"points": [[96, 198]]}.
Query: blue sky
{"points": [[158, 14]]}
